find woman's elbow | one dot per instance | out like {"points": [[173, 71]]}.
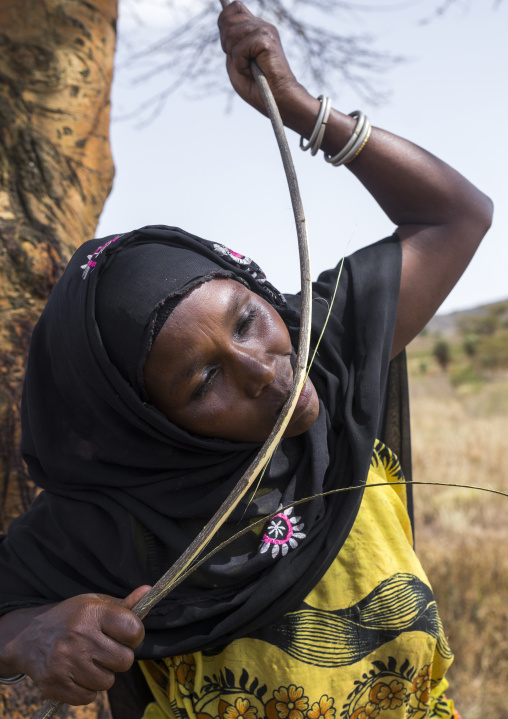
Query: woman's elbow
{"points": [[472, 222], [482, 214]]}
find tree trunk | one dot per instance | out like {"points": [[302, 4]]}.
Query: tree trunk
{"points": [[56, 171]]}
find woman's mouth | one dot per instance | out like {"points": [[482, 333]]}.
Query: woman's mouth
{"points": [[304, 398], [302, 402]]}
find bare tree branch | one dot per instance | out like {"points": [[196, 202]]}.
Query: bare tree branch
{"points": [[189, 53], [445, 5]]}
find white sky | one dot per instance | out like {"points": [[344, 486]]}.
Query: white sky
{"points": [[219, 175]]}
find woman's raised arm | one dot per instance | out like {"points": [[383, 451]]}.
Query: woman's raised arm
{"points": [[441, 217]]}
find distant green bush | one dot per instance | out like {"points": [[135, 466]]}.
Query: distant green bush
{"points": [[470, 344], [442, 354], [493, 350], [466, 375]]}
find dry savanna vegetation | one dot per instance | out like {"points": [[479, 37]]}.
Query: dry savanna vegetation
{"points": [[459, 411]]}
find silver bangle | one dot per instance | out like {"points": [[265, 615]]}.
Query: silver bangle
{"points": [[359, 146], [356, 142], [318, 132], [12, 680]]}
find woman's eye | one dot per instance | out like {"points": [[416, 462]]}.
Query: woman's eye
{"points": [[245, 322], [205, 385]]}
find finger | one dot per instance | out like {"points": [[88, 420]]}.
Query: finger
{"points": [[239, 7], [129, 601], [69, 693], [234, 8], [250, 34], [232, 21], [120, 624], [113, 656], [263, 46], [237, 27], [136, 596], [242, 50], [93, 678]]}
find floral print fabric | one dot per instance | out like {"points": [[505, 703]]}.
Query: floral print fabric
{"points": [[366, 643]]}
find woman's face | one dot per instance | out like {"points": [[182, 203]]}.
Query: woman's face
{"points": [[221, 366]]}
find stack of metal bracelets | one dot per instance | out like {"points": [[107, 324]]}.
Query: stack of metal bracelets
{"points": [[12, 680], [354, 145]]}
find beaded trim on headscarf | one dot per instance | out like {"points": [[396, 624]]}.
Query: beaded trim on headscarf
{"points": [[234, 258], [245, 263]]}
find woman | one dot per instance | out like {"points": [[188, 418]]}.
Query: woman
{"points": [[159, 365]]}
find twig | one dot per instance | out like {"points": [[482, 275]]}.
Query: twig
{"points": [[263, 520], [178, 571]]}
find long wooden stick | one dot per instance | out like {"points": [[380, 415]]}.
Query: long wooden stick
{"points": [[178, 572]]}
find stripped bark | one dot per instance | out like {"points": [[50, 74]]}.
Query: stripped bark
{"points": [[56, 170]]}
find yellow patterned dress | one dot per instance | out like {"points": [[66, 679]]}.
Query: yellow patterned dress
{"points": [[366, 643]]}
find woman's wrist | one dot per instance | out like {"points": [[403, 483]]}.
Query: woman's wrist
{"points": [[12, 626], [9, 629], [299, 111]]}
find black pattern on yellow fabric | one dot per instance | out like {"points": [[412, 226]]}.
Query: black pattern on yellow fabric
{"points": [[402, 603], [383, 456]]}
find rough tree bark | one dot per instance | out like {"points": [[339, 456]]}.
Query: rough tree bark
{"points": [[56, 170]]}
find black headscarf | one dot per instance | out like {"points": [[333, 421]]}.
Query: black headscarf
{"points": [[126, 491]]}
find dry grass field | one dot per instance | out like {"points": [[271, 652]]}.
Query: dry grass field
{"points": [[459, 435]]}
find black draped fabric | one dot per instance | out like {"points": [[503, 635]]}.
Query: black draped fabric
{"points": [[395, 430], [126, 490]]}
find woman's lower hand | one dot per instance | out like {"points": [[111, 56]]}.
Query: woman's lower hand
{"points": [[73, 649], [245, 38]]}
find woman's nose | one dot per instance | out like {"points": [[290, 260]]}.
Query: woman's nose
{"points": [[255, 370]]}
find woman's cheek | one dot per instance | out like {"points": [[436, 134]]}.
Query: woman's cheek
{"points": [[217, 406]]}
